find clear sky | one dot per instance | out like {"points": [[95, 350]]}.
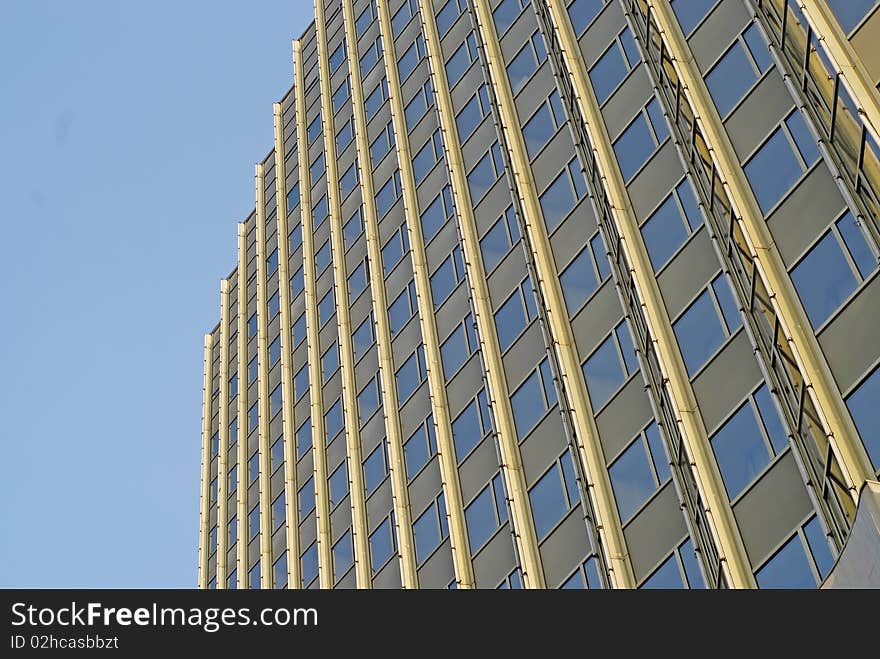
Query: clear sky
{"points": [[128, 137]]}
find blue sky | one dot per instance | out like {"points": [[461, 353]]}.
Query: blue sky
{"points": [[128, 137]]}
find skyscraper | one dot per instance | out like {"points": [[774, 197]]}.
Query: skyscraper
{"points": [[553, 294]]}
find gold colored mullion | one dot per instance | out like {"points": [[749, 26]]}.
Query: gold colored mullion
{"points": [[205, 506], [693, 430], [222, 458], [522, 522], [288, 398], [836, 421], [263, 386], [458, 538], [241, 493], [608, 523]]}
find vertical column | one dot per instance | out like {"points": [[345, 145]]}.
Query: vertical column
{"points": [[241, 489], [458, 538], [608, 523], [263, 386], [291, 505], [693, 431], [522, 521], [397, 468], [223, 454], [206, 462], [793, 323]]}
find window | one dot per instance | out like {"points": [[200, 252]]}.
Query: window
{"points": [[832, 269], [343, 556], [326, 308], [275, 401], [376, 98], [215, 444], [614, 65], [409, 9], [253, 370], [458, 347], [428, 156], [639, 471], [376, 468], [610, 365], [276, 454], [802, 561], [252, 325], [370, 57], [330, 362], [306, 498], [309, 564], [349, 180], [506, 13], [862, 404], [254, 523], [233, 433], [274, 305], [447, 276], [275, 351], [316, 170], [781, 161], [473, 113], [691, 12], [299, 329], [253, 417], [418, 105], [366, 17], [353, 228], [403, 308], [849, 13], [706, 324], [337, 57], [486, 513], [562, 194], [420, 447], [253, 468], [301, 382], [394, 250], [232, 580], [640, 139], [748, 440], [382, 544], [278, 512], [213, 491], [579, 280], [338, 484], [304, 439], [320, 211], [512, 581], [738, 70], [388, 194], [582, 13], [471, 426], [333, 421], [586, 576], [498, 240], [363, 337], [232, 528], [344, 135], [553, 495], [411, 374], [293, 197], [295, 238], [297, 283], [448, 14], [254, 577], [314, 129], [543, 125], [533, 398], [279, 569], [368, 399], [438, 212], [526, 62], [358, 280], [382, 144], [669, 226], [341, 95], [232, 480], [461, 60], [680, 570], [515, 313], [430, 529], [411, 57], [485, 173]]}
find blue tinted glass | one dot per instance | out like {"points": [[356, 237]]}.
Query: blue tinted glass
{"points": [[353, 228], [632, 479], [333, 420], [374, 469], [547, 380], [658, 452], [309, 564], [699, 332], [740, 450], [481, 519], [500, 497], [600, 253], [858, 248], [603, 373], [510, 320], [400, 311], [773, 170], [582, 13], [818, 543], [691, 12], [417, 450], [255, 577], [481, 178], [469, 118], [343, 556], [864, 405], [789, 568], [326, 308], [634, 147], [254, 467], [426, 534], [578, 281], [805, 141], [521, 67], [538, 130], [576, 581], [278, 514], [306, 499], [293, 196], [505, 14], [447, 15], [658, 123], [731, 78], [458, 64], [729, 308], [362, 338], [691, 566], [664, 233], [689, 203], [528, 405], [453, 352], [770, 417], [608, 73], [629, 47], [304, 439], [557, 200], [823, 279], [466, 431], [548, 502], [443, 282], [338, 484], [568, 475], [368, 401], [322, 258], [408, 377], [757, 47], [624, 338], [494, 245], [849, 13], [667, 575]]}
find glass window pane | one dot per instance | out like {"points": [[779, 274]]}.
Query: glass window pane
{"points": [[691, 12], [664, 233], [548, 502], [557, 200], [863, 405], [426, 533], [528, 405], [731, 78], [773, 170], [480, 519], [789, 568], [578, 281], [818, 544], [632, 479], [634, 147], [343, 556], [603, 373], [699, 332], [381, 545], [608, 72], [667, 576], [510, 320], [823, 279], [740, 450], [538, 130]]}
